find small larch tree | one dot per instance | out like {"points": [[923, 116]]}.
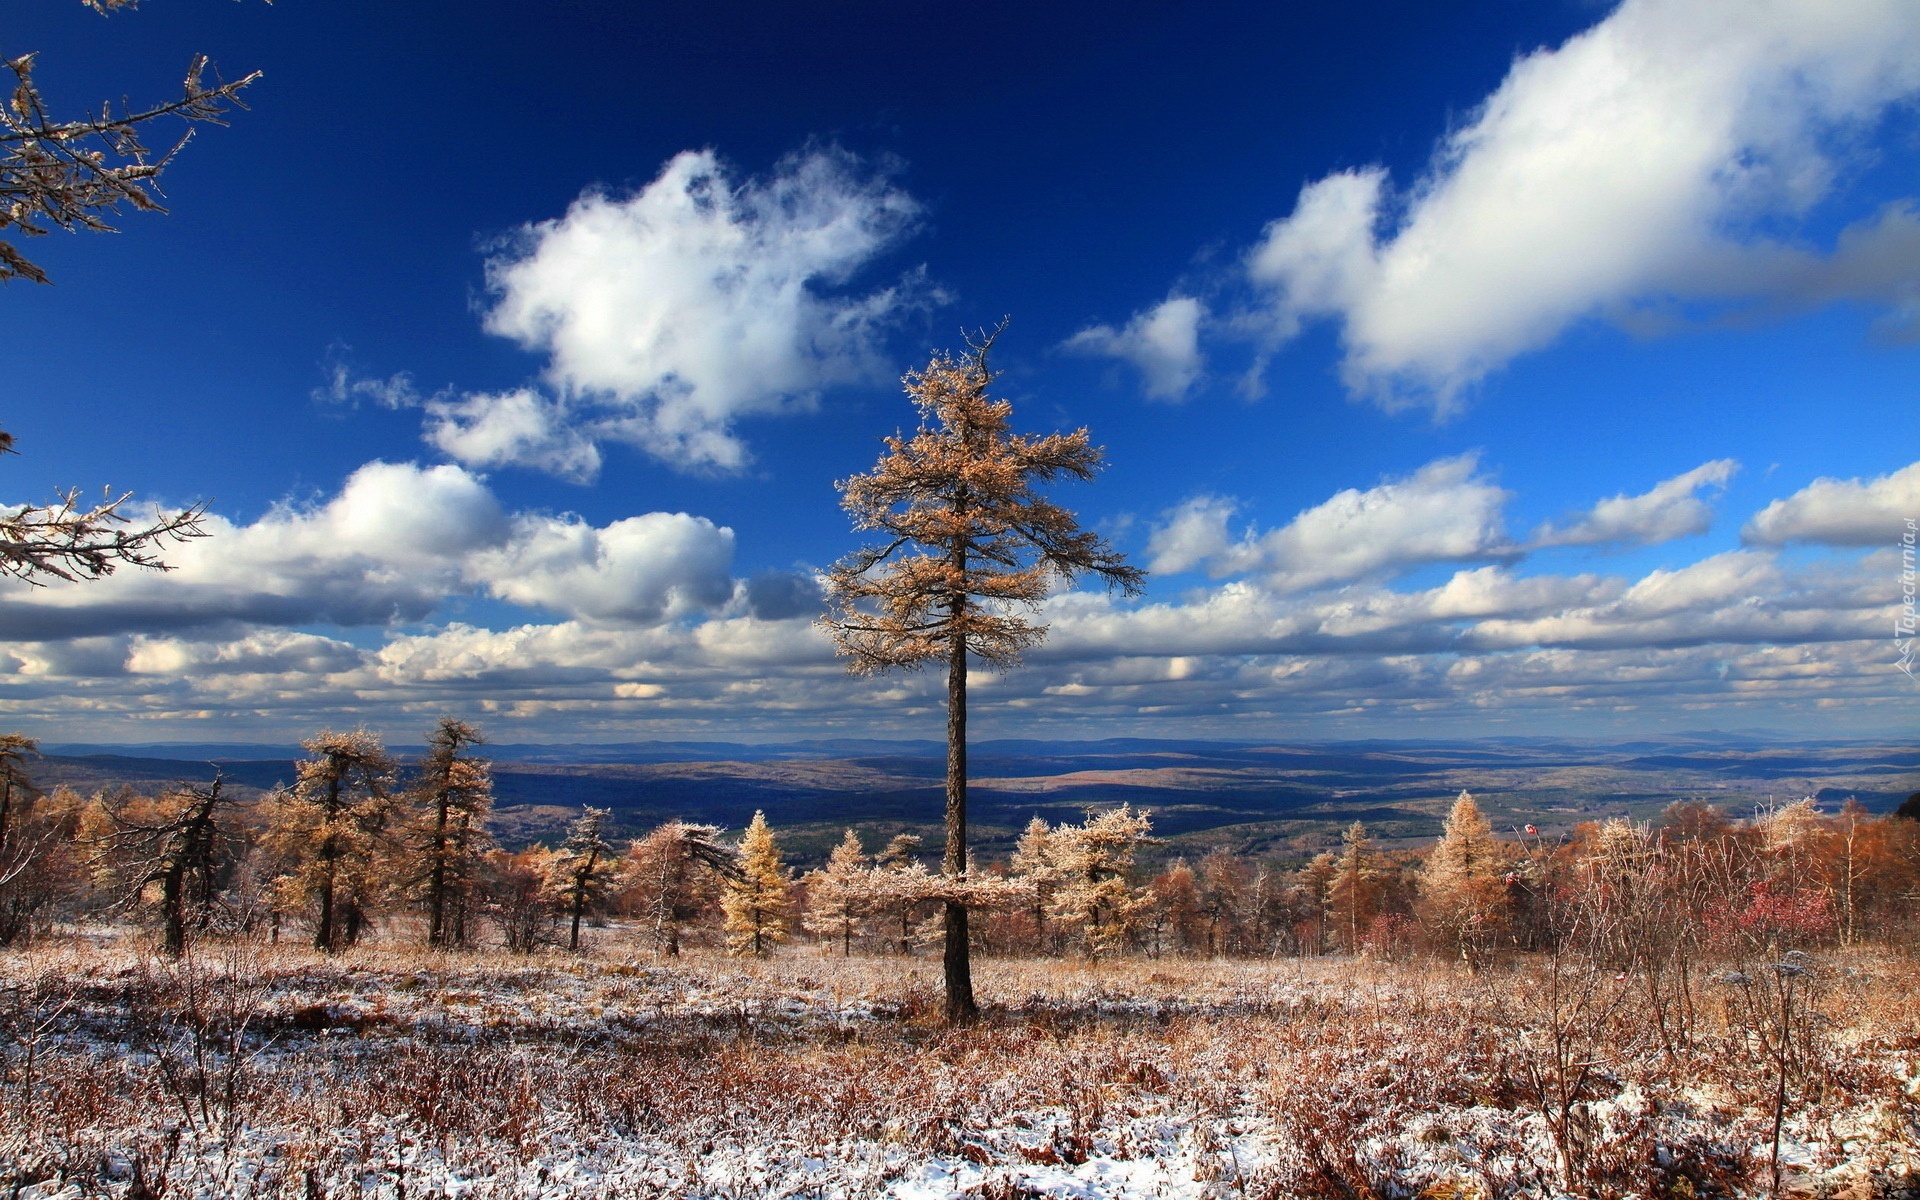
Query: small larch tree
{"points": [[328, 831], [669, 878], [1354, 891], [968, 551], [1039, 875], [758, 904], [1094, 898], [584, 870], [452, 795], [1462, 892], [840, 894]]}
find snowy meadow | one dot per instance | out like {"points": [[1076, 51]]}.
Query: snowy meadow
{"points": [[250, 1070]]}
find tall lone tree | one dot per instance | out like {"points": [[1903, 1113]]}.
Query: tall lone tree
{"points": [[970, 550]]}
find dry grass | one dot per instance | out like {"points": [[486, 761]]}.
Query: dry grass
{"points": [[260, 1071]]}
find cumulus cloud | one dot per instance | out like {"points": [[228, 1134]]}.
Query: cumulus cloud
{"points": [[1841, 512], [1740, 597], [1444, 512], [520, 427], [1191, 535], [778, 595], [1162, 343], [265, 652], [394, 544], [1734, 632], [1641, 159], [1672, 509], [699, 299], [640, 570]]}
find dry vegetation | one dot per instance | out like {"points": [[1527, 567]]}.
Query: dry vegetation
{"points": [[1707, 1008], [252, 1070]]}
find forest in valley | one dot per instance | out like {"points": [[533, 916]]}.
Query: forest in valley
{"points": [[364, 847]]}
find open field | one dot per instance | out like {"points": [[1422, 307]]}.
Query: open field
{"points": [[267, 1071]]}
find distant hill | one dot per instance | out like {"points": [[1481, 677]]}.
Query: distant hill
{"points": [[1265, 798]]}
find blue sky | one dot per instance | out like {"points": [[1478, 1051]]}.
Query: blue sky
{"points": [[1497, 368]]}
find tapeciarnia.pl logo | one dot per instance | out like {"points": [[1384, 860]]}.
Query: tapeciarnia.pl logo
{"points": [[1903, 624]]}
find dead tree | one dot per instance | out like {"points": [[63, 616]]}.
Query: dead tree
{"points": [[970, 550], [180, 847]]}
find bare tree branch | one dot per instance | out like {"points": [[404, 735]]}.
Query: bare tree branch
{"points": [[69, 174]]}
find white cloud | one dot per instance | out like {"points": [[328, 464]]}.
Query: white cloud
{"points": [[519, 427], [1740, 597], [1735, 633], [670, 313], [1671, 509], [1162, 343], [1841, 512], [640, 570], [394, 544], [1191, 535], [1634, 162], [1444, 512], [266, 652], [1322, 259]]}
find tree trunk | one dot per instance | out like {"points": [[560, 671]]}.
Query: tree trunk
{"points": [[323, 936], [323, 930], [173, 906], [437, 880], [580, 884], [958, 961]]}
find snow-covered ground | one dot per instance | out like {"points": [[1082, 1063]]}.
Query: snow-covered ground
{"points": [[253, 1071]]}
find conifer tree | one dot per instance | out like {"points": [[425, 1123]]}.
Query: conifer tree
{"points": [[1461, 889], [328, 828], [840, 895], [1315, 885], [519, 893], [43, 869], [452, 796], [969, 550], [1227, 899], [14, 751], [1094, 897], [178, 845], [1176, 899], [584, 869], [900, 885], [669, 877], [1034, 868], [1354, 891], [758, 903]]}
